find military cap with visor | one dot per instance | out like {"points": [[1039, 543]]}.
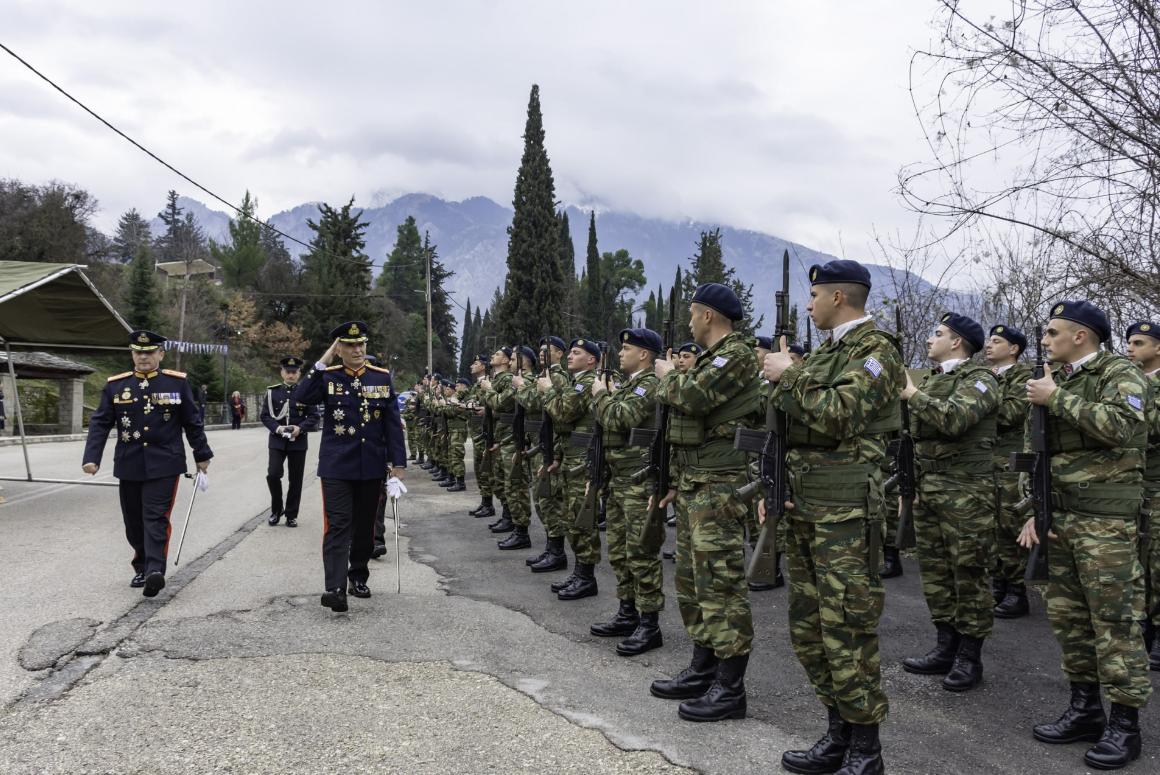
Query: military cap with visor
{"points": [[351, 333], [294, 364], [145, 341]]}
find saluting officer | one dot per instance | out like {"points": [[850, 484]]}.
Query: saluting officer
{"points": [[362, 443], [149, 408], [1144, 350], [289, 421]]}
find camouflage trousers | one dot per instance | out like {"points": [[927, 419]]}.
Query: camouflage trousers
{"points": [[1095, 597], [551, 509], [412, 437], [638, 571], [954, 523], [456, 451], [835, 602], [710, 567], [482, 478], [499, 468], [516, 495], [890, 520], [585, 543], [1152, 572], [1010, 557]]}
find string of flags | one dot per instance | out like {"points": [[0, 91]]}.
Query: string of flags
{"points": [[197, 348]]}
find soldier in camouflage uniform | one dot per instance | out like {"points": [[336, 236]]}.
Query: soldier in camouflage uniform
{"points": [[841, 406], [441, 474], [474, 400], [763, 348], [410, 406], [953, 418], [551, 508], [683, 360], [519, 499], [493, 389], [1004, 347], [1096, 437], [1144, 350], [639, 581], [457, 417], [571, 410], [717, 395]]}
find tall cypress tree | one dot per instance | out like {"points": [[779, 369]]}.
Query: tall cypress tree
{"points": [[567, 253], [594, 290], [336, 272], [534, 287], [708, 266], [465, 343]]}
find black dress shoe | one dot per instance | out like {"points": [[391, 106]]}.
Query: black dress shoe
{"points": [[138, 581], [359, 589], [940, 659], [584, 585], [154, 583], [1084, 720], [291, 522], [726, 696], [519, 539], [335, 599], [693, 681], [646, 637], [669, 555], [827, 754], [1120, 744], [275, 517], [379, 551], [623, 623]]}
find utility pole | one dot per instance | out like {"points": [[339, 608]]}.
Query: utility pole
{"points": [[226, 373], [427, 253]]}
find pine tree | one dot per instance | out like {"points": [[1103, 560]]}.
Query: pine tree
{"points": [[594, 289], [143, 295], [534, 286], [132, 233], [242, 260], [169, 243], [708, 266], [337, 274], [567, 252]]}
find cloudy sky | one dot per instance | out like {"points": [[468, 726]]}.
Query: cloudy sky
{"points": [[791, 119]]}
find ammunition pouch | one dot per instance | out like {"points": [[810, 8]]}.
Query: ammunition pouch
{"points": [[1101, 500], [845, 487]]}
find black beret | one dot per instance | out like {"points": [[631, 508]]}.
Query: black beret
{"points": [[555, 341], [1087, 315], [798, 349], [642, 337], [968, 329], [1143, 327], [690, 347], [292, 363], [590, 346], [352, 333], [839, 270], [765, 342], [1012, 335], [463, 381], [721, 298], [528, 353], [145, 341]]}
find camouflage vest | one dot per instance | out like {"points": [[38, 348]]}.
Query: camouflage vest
{"points": [[1010, 437], [619, 439], [585, 424], [1062, 436], [687, 433], [825, 366], [943, 386], [1152, 453]]}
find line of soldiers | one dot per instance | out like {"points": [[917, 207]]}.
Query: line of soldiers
{"points": [[843, 403]]}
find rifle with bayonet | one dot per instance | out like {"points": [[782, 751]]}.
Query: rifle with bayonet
{"points": [[545, 428], [652, 533], [594, 459], [488, 430], [770, 447], [519, 432], [903, 478], [1037, 465]]}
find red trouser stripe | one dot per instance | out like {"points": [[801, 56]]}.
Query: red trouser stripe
{"points": [[168, 524]]}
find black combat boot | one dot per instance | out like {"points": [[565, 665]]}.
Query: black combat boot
{"points": [[485, 509], [1120, 744], [519, 539], [1084, 720], [891, 563], [505, 524], [1154, 655], [412, 457], [726, 696], [459, 485], [602, 521], [693, 681], [1014, 604], [447, 480], [538, 557], [998, 590], [864, 756], [584, 585], [427, 466], [967, 671], [438, 474], [559, 586], [624, 623], [420, 460], [503, 514], [646, 637], [668, 554], [827, 754], [555, 559], [940, 659]]}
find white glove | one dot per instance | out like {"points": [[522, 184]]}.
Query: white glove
{"points": [[395, 488], [202, 481]]}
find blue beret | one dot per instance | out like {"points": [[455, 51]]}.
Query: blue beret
{"points": [[507, 351], [463, 381], [643, 337], [690, 347], [1086, 314], [437, 376], [144, 341], [721, 298], [1012, 335], [555, 341], [527, 352], [352, 333], [484, 359], [765, 342], [448, 383], [798, 349], [1143, 327], [839, 271], [590, 346], [968, 329]]}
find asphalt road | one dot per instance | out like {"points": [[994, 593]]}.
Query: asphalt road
{"points": [[476, 667]]}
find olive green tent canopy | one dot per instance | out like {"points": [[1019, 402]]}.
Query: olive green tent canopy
{"points": [[55, 305]]}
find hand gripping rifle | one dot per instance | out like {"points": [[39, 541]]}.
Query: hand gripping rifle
{"points": [[519, 432], [1037, 464], [770, 447], [903, 479], [586, 519], [488, 432], [545, 428], [652, 533]]}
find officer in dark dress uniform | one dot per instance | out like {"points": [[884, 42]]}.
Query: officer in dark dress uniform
{"points": [[362, 444], [149, 408], [288, 421]]}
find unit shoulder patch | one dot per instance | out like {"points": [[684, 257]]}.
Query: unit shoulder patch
{"points": [[173, 373], [116, 377]]}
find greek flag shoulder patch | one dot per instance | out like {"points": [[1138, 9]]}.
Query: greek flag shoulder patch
{"points": [[980, 387], [579, 388], [874, 367], [1135, 402], [718, 362], [640, 391]]}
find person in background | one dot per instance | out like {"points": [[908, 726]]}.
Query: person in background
{"points": [[237, 410]]}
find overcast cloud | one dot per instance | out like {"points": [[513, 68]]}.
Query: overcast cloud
{"points": [[786, 118]]}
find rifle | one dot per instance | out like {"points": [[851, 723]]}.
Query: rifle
{"points": [[594, 462], [770, 448], [1037, 463], [547, 437], [652, 533], [903, 450], [488, 432], [519, 432]]}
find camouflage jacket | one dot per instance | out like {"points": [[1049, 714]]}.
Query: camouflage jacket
{"points": [[571, 408], [961, 418], [1013, 409], [1152, 417], [633, 405], [500, 399]]}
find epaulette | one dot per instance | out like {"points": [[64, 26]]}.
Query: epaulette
{"points": [[378, 369], [120, 376], [271, 387], [173, 373], [332, 368]]}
